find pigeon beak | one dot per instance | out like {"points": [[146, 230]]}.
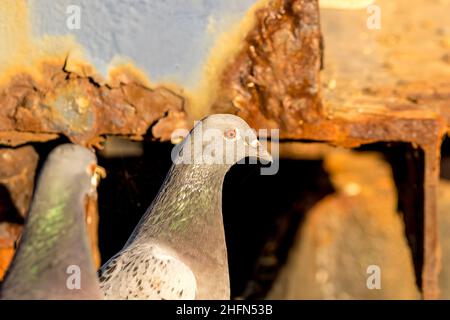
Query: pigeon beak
{"points": [[261, 152], [264, 155], [97, 173]]}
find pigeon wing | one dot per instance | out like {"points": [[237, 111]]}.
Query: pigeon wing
{"points": [[146, 272]]}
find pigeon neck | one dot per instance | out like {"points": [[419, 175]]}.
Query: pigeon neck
{"points": [[56, 218], [190, 198], [56, 207]]}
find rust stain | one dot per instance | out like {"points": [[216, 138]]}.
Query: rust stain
{"points": [[84, 110], [226, 46], [124, 72], [432, 254], [9, 233], [274, 81], [21, 53], [92, 220]]}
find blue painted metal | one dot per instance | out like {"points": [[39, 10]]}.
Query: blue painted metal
{"points": [[169, 40]]}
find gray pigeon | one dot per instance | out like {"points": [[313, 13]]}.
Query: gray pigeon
{"points": [[54, 260], [178, 249]]}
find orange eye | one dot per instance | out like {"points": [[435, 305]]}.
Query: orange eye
{"points": [[230, 134]]}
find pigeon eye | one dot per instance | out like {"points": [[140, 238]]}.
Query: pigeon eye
{"points": [[230, 134]]}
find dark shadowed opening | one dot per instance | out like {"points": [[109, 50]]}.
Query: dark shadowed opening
{"points": [[8, 211], [445, 159], [262, 216], [128, 189]]}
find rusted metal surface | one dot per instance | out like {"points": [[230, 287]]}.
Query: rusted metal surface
{"points": [[83, 110], [9, 234], [263, 85], [92, 220], [444, 227], [273, 82], [17, 170]]}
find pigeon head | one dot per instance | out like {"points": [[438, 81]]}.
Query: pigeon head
{"points": [[222, 139], [67, 154], [70, 160]]}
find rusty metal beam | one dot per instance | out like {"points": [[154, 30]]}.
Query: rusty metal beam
{"points": [[83, 110]]}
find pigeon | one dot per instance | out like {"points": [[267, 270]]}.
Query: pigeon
{"points": [[53, 259], [178, 250]]}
